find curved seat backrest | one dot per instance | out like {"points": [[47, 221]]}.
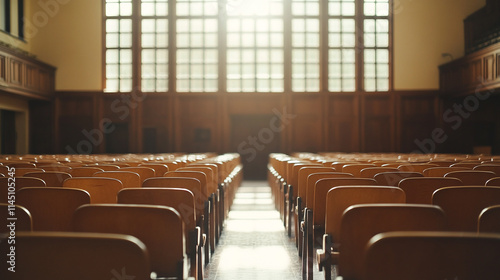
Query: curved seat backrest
{"points": [[129, 179], [23, 222], [420, 189], [84, 171], [362, 221], [18, 183], [51, 178], [472, 177], [314, 178], [159, 168], [432, 256], [489, 219], [159, 227], [144, 172], [340, 198], [370, 172], [88, 255], [101, 190], [393, 178], [200, 176], [52, 208], [322, 188], [463, 205], [191, 184], [441, 171]]}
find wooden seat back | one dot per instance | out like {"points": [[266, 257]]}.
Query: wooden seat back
{"points": [[52, 208], [362, 221], [322, 188], [51, 178], [370, 172], [432, 256], [338, 199], [393, 178], [23, 221], [101, 190], [17, 183], [314, 178], [159, 227], [420, 189], [472, 177], [129, 179], [489, 219], [84, 171], [463, 205], [69, 255], [441, 171]]}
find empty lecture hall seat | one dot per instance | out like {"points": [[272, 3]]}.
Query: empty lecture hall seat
{"points": [[472, 177], [462, 205], [51, 178], [18, 183], [361, 222], [441, 171], [420, 167], [202, 177], [337, 201], [432, 256], [493, 182], [355, 169], [181, 200], [52, 208], [21, 165], [489, 219], [105, 167], [314, 218], [101, 190], [22, 171], [393, 178], [159, 168], [129, 179], [84, 171], [200, 197], [370, 172], [495, 168], [302, 175], [60, 168], [420, 189], [159, 227], [70, 255], [23, 221], [144, 172]]}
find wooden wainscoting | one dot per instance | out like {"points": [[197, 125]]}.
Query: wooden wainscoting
{"points": [[315, 122]]}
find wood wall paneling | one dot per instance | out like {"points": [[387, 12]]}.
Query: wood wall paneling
{"points": [[23, 75]]}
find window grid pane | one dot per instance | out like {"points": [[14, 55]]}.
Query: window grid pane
{"points": [[118, 45], [341, 46], [154, 45], [255, 46], [197, 46], [376, 41], [305, 46]]}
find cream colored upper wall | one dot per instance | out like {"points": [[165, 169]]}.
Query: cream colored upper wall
{"points": [[67, 34], [423, 31]]}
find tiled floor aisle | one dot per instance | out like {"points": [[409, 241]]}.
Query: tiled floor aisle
{"points": [[254, 244]]}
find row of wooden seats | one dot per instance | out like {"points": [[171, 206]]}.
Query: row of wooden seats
{"points": [[198, 212], [311, 181]]}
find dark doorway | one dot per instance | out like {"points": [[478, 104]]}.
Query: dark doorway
{"points": [[8, 132], [253, 137]]}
